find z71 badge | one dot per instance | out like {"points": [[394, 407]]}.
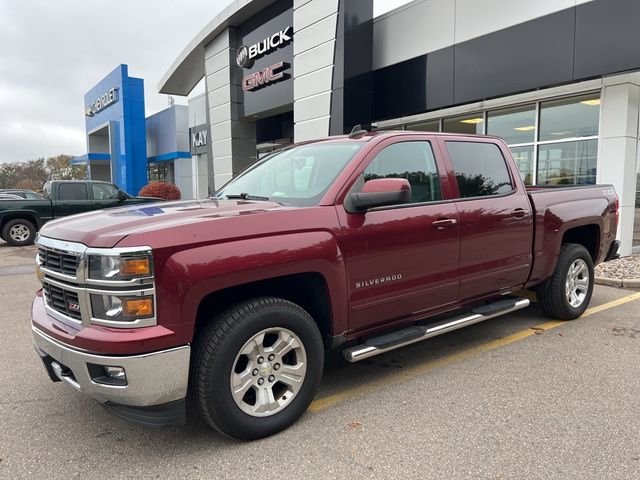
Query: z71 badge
{"points": [[379, 281]]}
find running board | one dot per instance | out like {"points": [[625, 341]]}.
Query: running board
{"points": [[390, 341]]}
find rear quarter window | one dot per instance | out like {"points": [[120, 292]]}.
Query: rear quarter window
{"points": [[480, 169]]}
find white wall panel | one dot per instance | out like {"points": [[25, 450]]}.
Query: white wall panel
{"points": [[424, 26], [413, 30]]}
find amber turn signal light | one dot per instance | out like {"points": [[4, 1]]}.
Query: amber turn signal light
{"points": [[137, 307], [135, 267]]}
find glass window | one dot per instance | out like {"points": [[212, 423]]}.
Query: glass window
{"points": [[467, 124], [295, 176], [72, 191], [413, 161], [160, 172], [567, 163], [104, 191], [480, 169], [514, 125], [432, 126], [570, 117], [523, 157]]}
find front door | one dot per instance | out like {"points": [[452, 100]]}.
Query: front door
{"points": [[104, 195], [402, 260]]}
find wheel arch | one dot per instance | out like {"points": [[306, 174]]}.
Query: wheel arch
{"points": [[29, 216], [309, 290], [586, 235]]}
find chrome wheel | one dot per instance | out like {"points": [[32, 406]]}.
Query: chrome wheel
{"points": [[268, 372], [19, 233], [577, 283]]}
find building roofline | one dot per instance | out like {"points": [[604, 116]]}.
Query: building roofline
{"points": [[188, 69]]}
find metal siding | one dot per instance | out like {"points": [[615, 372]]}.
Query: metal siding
{"points": [[523, 57], [607, 37]]}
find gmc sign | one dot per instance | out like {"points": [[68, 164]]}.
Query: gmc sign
{"points": [[265, 77]]}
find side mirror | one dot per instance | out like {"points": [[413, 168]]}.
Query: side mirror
{"points": [[380, 192], [122, 196]]}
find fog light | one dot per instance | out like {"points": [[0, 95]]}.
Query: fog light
{"points": [[116, 373], [107, 375]]}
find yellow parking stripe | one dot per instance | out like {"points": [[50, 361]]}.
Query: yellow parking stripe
{"points": [[350, 393]]}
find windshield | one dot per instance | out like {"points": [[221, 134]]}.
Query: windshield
{"points": [[297, 176]]}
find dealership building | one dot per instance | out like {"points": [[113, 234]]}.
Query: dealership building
{"points": [[559, 80]]}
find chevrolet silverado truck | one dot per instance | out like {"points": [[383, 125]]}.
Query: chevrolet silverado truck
{"points": [[20, 219], [363, 243]]}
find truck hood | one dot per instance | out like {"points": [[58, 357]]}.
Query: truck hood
{"points": [[105, 228]]}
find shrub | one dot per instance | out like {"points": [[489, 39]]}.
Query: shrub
{"points": [[165, 191]]}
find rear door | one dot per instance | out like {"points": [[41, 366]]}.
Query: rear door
{"points": [[72, 198], [400, 262], [496, 224]]}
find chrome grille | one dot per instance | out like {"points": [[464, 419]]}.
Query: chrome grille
{"points": [[62, 301], [65, 263]]}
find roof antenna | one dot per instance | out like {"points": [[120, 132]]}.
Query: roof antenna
{"points": [[357, 131]]}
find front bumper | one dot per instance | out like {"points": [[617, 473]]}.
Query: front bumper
{"points": [[152, 379]]}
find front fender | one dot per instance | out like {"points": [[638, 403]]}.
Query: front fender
{"points": [[190, 275]]}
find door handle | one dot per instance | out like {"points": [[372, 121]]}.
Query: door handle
{"points": [[520, 213], [443, 223]]}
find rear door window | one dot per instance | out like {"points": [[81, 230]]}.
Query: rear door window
{"points": [[72, 191], [480, 169]]}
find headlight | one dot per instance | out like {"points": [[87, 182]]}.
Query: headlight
{"points": [[121, 308], [117, 268]]}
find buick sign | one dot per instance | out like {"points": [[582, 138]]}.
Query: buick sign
{"points": [[246, 56]]}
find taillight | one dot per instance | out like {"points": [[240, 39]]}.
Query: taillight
{"points": [[616, 205]]}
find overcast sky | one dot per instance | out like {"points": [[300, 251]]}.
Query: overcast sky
{"points": [[53, 52]]}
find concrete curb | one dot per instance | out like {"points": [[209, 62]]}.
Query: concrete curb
{"points": [[618, 282]]}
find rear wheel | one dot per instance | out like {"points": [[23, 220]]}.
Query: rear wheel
{"points": [[18, 232], [256, 368], [566, 295]]}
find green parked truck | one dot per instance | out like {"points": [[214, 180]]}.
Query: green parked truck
{"points": [[20, 219]]}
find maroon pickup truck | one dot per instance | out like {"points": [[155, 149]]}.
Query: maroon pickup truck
{"points": [[362, 243]]}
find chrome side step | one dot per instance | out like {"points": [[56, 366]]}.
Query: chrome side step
{"points": [[390, 341]]}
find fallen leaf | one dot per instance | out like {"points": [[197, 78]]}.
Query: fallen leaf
{"points": [[354, 425]]}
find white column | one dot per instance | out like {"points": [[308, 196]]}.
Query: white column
{"points": [[314, 24], [618, 147], [233, 139]]}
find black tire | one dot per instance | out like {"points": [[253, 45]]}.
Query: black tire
{"points": [[215, 356], [552, 295], [18, 232]]}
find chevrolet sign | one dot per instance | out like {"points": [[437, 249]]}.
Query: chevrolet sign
{"points": [[102, 102]]}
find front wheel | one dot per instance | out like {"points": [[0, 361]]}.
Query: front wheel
{"points": [[18, 232], [566, 295], [256, 367]]}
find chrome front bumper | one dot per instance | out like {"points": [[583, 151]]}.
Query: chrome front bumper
{"points": [[152, 378]]}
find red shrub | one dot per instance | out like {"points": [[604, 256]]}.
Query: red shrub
{"points": [[161, 190]]}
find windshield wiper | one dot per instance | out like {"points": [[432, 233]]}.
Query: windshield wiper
{"points": [[246, 196]]}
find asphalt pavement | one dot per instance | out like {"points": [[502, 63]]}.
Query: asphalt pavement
{"points": [[516, 397]]}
